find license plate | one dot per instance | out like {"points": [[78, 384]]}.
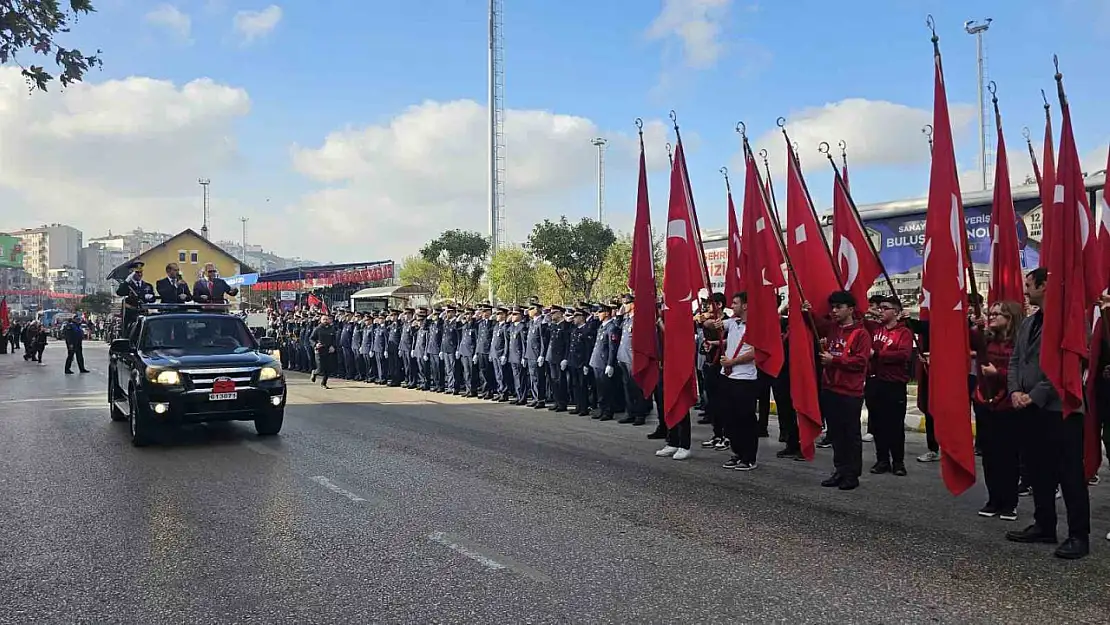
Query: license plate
{"points": [[222, 396]]}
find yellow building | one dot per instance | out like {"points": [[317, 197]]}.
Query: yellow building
{"points": [[190, 251]]}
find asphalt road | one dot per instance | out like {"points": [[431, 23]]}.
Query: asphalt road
{"points": [[393, 506]]}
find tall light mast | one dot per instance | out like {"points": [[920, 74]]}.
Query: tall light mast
{"points": [[496, 107], [204, 182], [977, 29], [599, 143]]}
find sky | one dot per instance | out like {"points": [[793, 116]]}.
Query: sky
{"points": [[356, 131]]}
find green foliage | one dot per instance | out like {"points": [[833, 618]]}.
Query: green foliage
{"points": [[512, 272], [577, 252], [418, 271], [462, 256], [97, 303], [32, 25], [549, 287]]}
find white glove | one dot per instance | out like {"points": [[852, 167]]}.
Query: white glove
{"points": [[474, 358], [503, 360], [413, 353], [585, 371], [539, 361], [426, 358], [563, 366], [458, 354], [149, 297], [441, 354], [371, 354], [609, 371]]}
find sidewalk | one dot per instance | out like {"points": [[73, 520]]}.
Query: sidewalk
{"points": [[915, 419]]}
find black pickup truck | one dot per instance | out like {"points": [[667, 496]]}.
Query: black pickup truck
{"points": [[187, 364]]}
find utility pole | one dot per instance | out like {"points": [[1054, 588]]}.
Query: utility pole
{"points": [[599, 143], [977, 29], [204, 182], [496, 106], [243, 260]]}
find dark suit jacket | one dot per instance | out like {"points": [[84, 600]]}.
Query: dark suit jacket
{"points": [[216, 295], [169, 295]]}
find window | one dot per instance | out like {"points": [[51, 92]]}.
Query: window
{"points": [[193, 256], [180, 256]]}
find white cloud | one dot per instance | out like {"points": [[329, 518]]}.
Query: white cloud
{"points": [[118, 154], [697, 24], [253, 25], [393, 186], [172, 19], [875, 132]]}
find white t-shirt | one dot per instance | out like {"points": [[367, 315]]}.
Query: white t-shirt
{"points": [[735, 333]]}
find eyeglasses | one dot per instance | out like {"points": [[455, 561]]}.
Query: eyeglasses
{"points": [[887, 308]]}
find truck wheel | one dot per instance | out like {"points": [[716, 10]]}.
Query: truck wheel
{"points": [[142, 429], [269, 425]]}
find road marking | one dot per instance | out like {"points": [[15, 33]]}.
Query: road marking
{"points": [[42, 399], [328, 484], [259, 448], [473, 554]]}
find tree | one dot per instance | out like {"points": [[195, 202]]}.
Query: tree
{"points": [[549, 288], [32, 25], [96, 303], [462, 254], [512, 271], [417, 271], [613, 281], [576, 251]]}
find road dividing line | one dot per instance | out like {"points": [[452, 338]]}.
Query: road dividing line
{"points": [[328, 484], [454, 545]]}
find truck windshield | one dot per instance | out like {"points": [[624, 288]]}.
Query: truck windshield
{"points": [[210, 333]]}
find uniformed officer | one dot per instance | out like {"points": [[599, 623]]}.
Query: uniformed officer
{"points": [[535, 356], [558, 357], [517, 335], [357, 363], [434, 351], [379, 347], [499, 354], [419, 348], [600, 359], [468, 351], [400, 337], [638, 407], [578, 363], [487, 382], [449, 346], [135, 293]]}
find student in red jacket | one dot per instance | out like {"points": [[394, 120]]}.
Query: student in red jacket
{"points": [[845, 350], [885, 391], [999, 425]]}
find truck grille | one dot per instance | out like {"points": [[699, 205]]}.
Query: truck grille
{"points": [[202, 380]]}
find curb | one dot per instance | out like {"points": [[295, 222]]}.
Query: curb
{"points": [[915, 421]]}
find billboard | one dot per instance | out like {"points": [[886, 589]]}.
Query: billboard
{"points": [[11, 252]]}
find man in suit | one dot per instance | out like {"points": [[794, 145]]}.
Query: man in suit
{"points": [[1053, 441], [74, 334], [135, 293], [211, 289], [172, 289]]}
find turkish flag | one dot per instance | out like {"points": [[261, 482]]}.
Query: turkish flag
{"points": [[944, 284], [1048, 184], [682, 279], [733, 282], [5, 317], [1007, 283], [1104, 227], [696, 250], [1092, 442], [816, 280], [857, 264], [641, 281], [1075, 274], [761, 272]]}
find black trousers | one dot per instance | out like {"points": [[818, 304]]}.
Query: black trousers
{"points": [[1054, 452], [1102, 401], [886, 419], [763, 403], [325, 364], [487, 383], [741, 422], [635, 403], [713, 404], [604, 387], [842, 416], [999, 433], [557, 383], [679, 435], [75, 351], [537, 375], [784, 404], [578, 389]]}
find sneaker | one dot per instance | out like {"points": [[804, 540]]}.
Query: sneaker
{"points": [[899, 469], [722, 444], [823, 443], [880, 467], [711, 442], [929, 456], [731, 463], [1009, 515], [1025, 490], [1093, 481], [746, 466], [787, 452], [666, 451], [1059, 495], [868, 438], [682, 454], [989, 511]]}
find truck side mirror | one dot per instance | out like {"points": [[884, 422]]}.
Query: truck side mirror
{"points": [[268, 344], [120, 346]]}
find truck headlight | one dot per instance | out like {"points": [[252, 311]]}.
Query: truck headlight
{"points": [[269, 373], [165, 377]]}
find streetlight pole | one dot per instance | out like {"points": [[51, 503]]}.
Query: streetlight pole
{"points": [[599, 143], [204, 182], [977, 29], [243, 260]]}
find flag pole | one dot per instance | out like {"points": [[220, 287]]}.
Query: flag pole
{"points": [[844, 154], [795, 284], [670, 156], [693, 210], [970, 268], [927, 130], [651, 248], [812, 209], [1032, 156]]}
